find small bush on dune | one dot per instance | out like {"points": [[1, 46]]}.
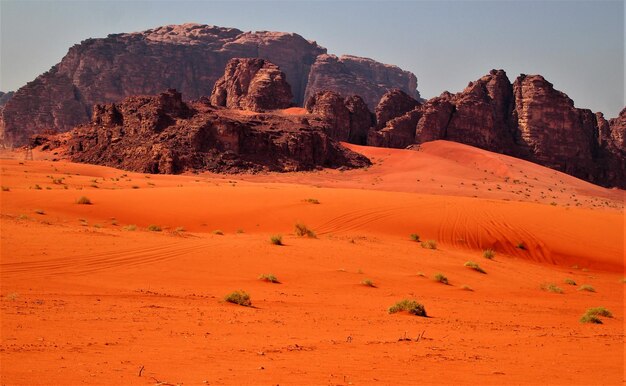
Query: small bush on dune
{"points": [[239, 297], [552, 288], [441, 278], [83, 201], [368, 283], [131, 227], [592, 315], [218, 232], [587, 287], [269, 278], [429, 244], [303, 230], [474, 266], [154, 228], [410, 306], [415, 237], [276, 239], [40, 211], [465, 287], [520, 245], [312, 201], [570, 281], [6, 189], [489, 254]]}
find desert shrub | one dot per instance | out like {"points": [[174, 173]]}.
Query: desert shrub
{"points": [[465, 287], [40, 211], [312, 201], [429, 244], [179, 229], [269, 278], [5, 189], [154, 228], [276, 239], [218, 232], [599, 311], [421, 274], [474, 266], [239, 297], [551, 288], [520, 245], [587, 287], [410, 306], [131, 227], [368, 282], [415, 237], [440, 277], [489, 254], [590, 319], [37, 187], [570, 281], [22, 217], [12, 296], [83, 201], [239, 231], [303, 230]]}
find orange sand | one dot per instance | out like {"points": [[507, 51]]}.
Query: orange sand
{"points": [[84, 300]]}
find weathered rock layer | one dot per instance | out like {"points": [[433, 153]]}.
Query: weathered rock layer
{"points": [[188, 57], [527, 119], [163, 134]]}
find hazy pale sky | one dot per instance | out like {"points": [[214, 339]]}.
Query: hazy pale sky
{"points": [[576, 45]]}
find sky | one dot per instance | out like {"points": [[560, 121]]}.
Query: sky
{"points": [[576, 45]]}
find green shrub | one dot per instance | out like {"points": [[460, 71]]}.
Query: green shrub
{"points": [[154, 228], [415, 237], [489, 254], [239, 297], [474, 266], [303, 230], [592, 315], [410, 306], [570, 281], [587, 287], [276, 239], [269, 278], [551, 288], [83, 201], [429, 244], [590, 319], [441, 278]]}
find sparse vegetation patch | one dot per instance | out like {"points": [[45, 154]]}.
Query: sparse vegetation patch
{"points": [[368, 283], [592, 315], [302, 230], [276, 239], [474, 266], [269, 278], [410, 306], [154, 228], [570, 281], [441, 278], [83, 201], [550, 287], [429, 244], [415, 237], [489, 254], [239, 297], [587, 287]]}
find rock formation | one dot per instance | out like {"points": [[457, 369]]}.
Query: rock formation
{"points": [[252, 84], [5, 96], [188, 57], [163, 134], [344, 119], [351, 75], [393, 104], [527, 119]]}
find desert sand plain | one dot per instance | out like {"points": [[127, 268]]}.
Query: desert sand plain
{"points": [[90, 296]]}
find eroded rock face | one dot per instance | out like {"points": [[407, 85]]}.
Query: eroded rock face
{"points": [[346, 119], [252, 84], [188, 57], [5, 97], [527, 119], [163, 134], [352, 75], [393, 104]]}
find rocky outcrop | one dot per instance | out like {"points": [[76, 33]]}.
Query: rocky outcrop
{"points": [[527, 119], [163, 134], [188, 57], [350, 75], [5, 97], [252, 84], [346, 119], [394, 103]]}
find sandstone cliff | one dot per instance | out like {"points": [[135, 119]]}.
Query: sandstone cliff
{"points": [[527, 119], [188, 57], [163, 134]]}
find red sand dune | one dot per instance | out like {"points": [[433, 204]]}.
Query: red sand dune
{"points": [[85, 300]]}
